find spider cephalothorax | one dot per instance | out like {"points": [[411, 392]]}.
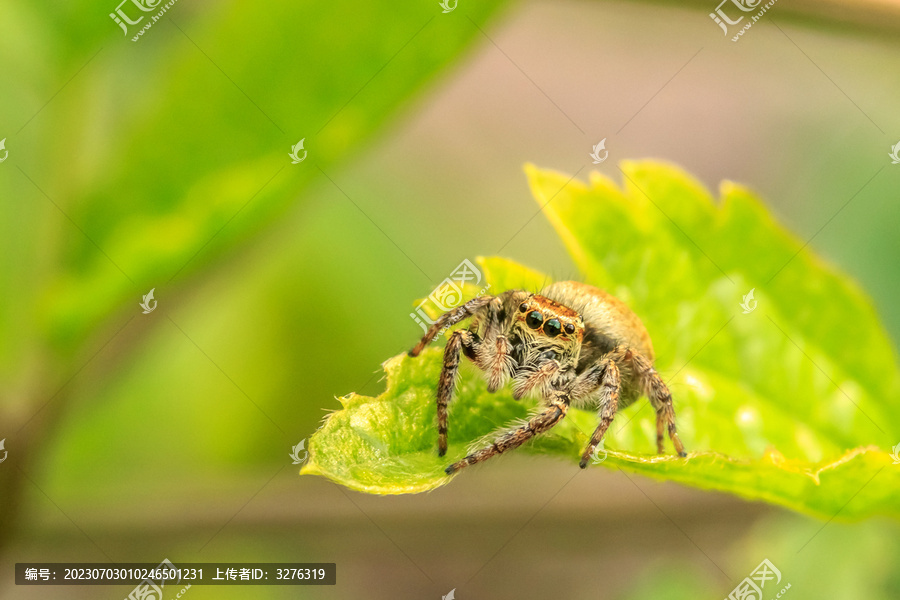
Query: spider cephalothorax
{"points": [[570, 344], [545, 341]]}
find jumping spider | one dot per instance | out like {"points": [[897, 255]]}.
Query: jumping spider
{"points": [[571, 344]]}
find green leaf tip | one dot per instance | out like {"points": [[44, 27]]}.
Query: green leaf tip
{"points": [[773, 403]]}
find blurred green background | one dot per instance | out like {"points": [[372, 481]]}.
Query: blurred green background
{"points": [[163, 163]]}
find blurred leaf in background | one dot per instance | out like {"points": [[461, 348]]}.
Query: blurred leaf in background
{"points": [[134, 165], [847, 561]]}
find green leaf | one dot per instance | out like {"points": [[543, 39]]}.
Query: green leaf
{"points": [[169, 152], [794, 402]]}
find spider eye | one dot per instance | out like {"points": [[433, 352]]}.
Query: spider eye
{"points": [[523, 307], [534, 319], [570, 329], [552, 328]]}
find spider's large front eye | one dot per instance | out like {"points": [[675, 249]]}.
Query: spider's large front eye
{"points": [[534, 319], [552, 328]]}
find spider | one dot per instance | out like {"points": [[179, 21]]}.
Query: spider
{"points": [[571, 344]]}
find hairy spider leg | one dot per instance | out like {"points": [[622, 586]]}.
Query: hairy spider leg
{"points": [[450, 318], [661, 398], [460, 340], [494, 356], [553, 413], [604, 375]]}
